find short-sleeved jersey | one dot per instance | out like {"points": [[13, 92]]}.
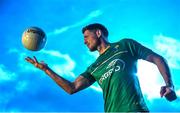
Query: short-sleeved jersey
{"points": [[115, 71]]}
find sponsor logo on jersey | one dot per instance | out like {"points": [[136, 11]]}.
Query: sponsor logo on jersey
{"points": [[114, 66]]}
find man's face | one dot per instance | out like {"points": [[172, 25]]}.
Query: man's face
{"points": [[91, 40]]}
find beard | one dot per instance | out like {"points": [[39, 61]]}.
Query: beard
{"points": [[92, 49], [93, 46]]}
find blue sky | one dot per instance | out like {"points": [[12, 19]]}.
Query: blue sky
{"points": [[23, 88]]}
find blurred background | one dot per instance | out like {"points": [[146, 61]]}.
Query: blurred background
{"points": [[23, 88]]}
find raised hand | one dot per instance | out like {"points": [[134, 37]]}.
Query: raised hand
{"points": [[41, 65]]}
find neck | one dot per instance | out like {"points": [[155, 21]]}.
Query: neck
{"points": [[103, 47]]}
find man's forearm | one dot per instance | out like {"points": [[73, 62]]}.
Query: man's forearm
{"points": [[63, 83], [165, 71]]}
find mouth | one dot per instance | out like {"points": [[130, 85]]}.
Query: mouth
{"points": [[87, 44]]}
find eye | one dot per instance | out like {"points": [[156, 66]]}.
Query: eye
{"points": [[86, 36]]}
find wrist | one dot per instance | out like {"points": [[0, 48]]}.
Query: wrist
{"points": [[46, 69], [171, 86]]}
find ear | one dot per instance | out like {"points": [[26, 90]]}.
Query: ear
{"points": [[98, 33]]}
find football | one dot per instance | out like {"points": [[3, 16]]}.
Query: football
{"points": [[34, 38]]}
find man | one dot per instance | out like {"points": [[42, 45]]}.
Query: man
{"points": [[115, 71]]}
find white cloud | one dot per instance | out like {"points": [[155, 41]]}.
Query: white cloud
{"points": [[60, 63], [6, 75], [61, 30], [21, 86], [93, 54], [169, 47], [8, 93], [8, 90], [63, 68], [89, 17], [150, 79], [178, 92], [96, 88], [89, 57]]}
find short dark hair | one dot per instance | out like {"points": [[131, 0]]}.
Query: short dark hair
{"points": [[96, 26]]}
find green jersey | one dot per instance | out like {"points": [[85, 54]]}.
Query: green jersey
{"points": [[115, 71]]}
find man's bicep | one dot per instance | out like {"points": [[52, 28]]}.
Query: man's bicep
{"points": [[81, 83]]}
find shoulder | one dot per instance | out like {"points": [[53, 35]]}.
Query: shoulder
{"points": [[126, 40]]}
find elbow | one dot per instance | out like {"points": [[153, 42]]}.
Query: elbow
{"points": [[70, 89], [156, 59], [159, 60], [70, 92]]}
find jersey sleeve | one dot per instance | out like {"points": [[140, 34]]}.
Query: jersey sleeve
{"points": [[88, 75], [138, 50]]}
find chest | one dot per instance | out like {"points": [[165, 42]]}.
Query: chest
{"points": [[113, 61]]}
